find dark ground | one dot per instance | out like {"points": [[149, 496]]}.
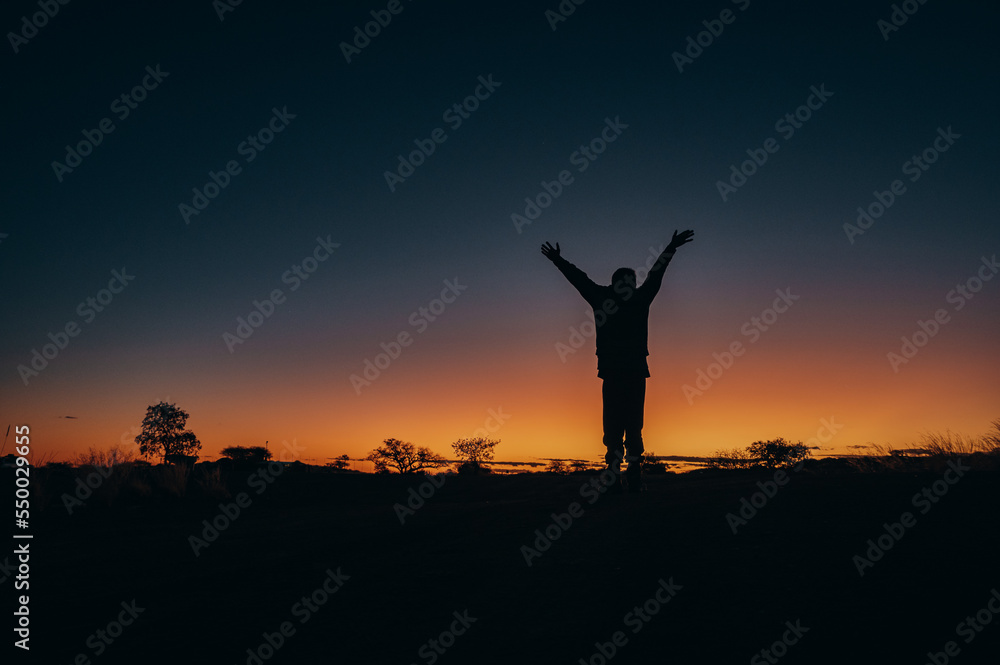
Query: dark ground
{"points": [[461, 552]]}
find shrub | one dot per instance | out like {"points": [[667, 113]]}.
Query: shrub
{"points": [[777, 453], [246, 453]]}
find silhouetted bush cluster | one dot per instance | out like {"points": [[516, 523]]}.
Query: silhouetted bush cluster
{"points": [[773, 454]]}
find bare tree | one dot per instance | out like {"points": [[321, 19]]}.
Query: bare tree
{"points": [[404, 457], [557, 466]]}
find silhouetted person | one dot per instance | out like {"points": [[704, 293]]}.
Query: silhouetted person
{"points": [[621, 317]]}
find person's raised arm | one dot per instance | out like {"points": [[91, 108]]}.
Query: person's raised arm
{"points": [[655, 278], [586, 286]]}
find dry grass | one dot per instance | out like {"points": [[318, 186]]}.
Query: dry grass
{"points": [[173, 478], [950, 444], [211, 483], [113, 456], [877, 458], [139, 487], [991, 440], [38, 460]]}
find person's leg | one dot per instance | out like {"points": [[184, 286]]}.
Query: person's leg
{"points": [[614, 423], [635, 395]]}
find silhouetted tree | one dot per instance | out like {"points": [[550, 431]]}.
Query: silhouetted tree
{"points": [[476, 452], [163, 432], [557, 466], [777, 452], [246, 453], [342, 463], [404, 457]]}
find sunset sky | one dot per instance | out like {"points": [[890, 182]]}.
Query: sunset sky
{"points": [[879, 98]]}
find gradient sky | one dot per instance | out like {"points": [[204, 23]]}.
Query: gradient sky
{"points": [[495, 346]]}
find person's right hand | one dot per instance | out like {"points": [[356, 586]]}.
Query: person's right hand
{"points": [[550, 252], [681, 239]]}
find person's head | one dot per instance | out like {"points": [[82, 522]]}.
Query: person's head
{"points": [[625, 276]]}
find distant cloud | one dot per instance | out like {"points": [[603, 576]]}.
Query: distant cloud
{"points": [[69, 417]]}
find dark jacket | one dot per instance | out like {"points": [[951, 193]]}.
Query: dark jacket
{"points": [[621, 316]]}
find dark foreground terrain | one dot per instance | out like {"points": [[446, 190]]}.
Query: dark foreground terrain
{"points": [[786, 582]]}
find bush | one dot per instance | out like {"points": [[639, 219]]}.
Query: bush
{"points": [[768, 454], [342, 463], [777, 453], [557, 466], [253, 454], [652, 465], [736, 458], [473, 469]]}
